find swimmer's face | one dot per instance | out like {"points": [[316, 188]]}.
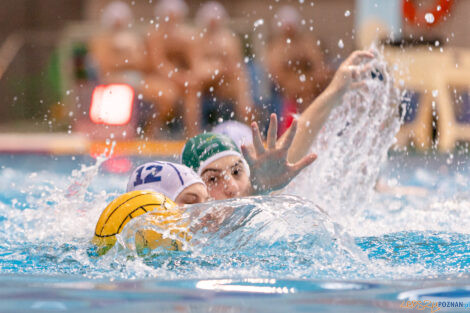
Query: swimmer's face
{"points": [[196, 193], [227, 178]]}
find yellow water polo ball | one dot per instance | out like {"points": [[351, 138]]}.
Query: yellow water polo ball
{"points": [[130, 205]]}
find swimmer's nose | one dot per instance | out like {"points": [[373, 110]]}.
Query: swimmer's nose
{"points": [[231, 188]]}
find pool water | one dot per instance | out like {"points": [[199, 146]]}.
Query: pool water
{"points": [[288, 256], [329, 242]]}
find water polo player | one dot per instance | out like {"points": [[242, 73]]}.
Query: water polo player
{"points": [[223, 168], [178, 182], [228, 174]]}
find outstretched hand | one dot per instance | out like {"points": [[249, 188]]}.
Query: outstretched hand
{"points": [[269, 167]]}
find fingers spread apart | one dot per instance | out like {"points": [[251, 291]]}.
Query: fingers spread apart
{"points": [[304, 162], [290, 135], [272, 132], [257, 141]]}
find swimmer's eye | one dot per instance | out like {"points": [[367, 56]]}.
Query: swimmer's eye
{"points": [[190, 200], [237, 171], [212, 180]]}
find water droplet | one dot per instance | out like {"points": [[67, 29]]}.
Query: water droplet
{"points": [[450, 159], [140, 96], [288, 40], [302, 78], [341, 44], [347, 13], [435, 93], [258, 22], [429, 17]]}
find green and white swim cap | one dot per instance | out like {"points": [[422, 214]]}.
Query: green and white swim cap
{"points": [[204, 149]]}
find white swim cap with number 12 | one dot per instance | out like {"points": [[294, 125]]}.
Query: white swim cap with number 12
{"points": [[164, 177]]}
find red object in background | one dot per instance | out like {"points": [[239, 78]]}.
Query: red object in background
{"points": [[289, 108], [118, 165], [112, 104], [439, 10]]}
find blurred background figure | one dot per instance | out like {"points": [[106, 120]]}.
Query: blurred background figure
{"points": [[296, 65], [239, 132], [184, 80], [118, 52], [171, 81], [221, 71]]}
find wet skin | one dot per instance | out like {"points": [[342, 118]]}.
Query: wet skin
{"points": [[196, 193], [227, 178]]}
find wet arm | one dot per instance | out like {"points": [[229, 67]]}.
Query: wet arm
{"points": [[311, 121], [314, 117]]}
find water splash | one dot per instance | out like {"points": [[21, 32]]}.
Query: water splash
{"points": [[81, 179], [46, 226], [268, 231], [352, 148]]}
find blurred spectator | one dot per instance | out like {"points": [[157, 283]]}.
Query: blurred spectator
{"points": [[296, 65], [240, 133], [117, 51], [221, 72], [172, 50]]}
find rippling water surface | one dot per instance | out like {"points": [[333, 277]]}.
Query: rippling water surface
{"points": [[330, 241]]}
